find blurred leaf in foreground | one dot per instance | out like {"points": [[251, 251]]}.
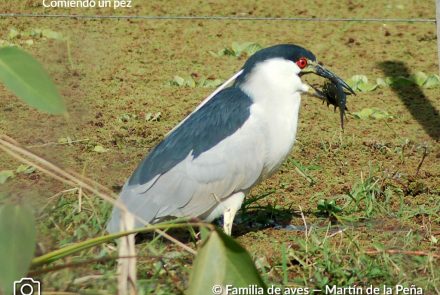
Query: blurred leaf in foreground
{"points": [[27, 79], [17, 244], [220, 262]]}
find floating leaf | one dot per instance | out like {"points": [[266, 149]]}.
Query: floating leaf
{"points": [[153, 117], [222, 261], [5, 175], [356, 79], [179, 81], [381, 82], [432, 81], [49, 34], [400, 81], [237, 48], [252, 48], [17, 244], [366, 87], [372, 113], [419, 78], [99, 149], [65, 140], [26, 169], [26, 78], [360, 83], [13, 34], [191, 82], [211, 83]]}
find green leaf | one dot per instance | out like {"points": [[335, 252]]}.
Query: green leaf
{"points": [[49, 34], [17, 244], [389, 81], [360, 83], [366, 87], [153, 117], [419, 78], [381, 82], [65, 140], [222, 261], [100, 149], [179, 80], [252, 48], [26, 169], [432, 81], [27, 79], [372, 113], [190, 82], [356, 79], [400, 81], [13, 33], [236, 48], [5, 175], [212, 83]]}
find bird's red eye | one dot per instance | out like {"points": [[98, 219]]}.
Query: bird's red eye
{"points": [[302, 62]]}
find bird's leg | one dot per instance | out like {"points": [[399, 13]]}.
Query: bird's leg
{"points": [[228, 220], [233, 203]]}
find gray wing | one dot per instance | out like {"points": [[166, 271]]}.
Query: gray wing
{"points": [[216, 152]]}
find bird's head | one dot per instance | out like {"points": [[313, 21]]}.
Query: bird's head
{"points": [[283, 64]]}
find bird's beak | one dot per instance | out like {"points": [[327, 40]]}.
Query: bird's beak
{"points": [[314, 67]]}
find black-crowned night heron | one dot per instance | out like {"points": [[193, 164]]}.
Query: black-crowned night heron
{"points": [[240, 136]]}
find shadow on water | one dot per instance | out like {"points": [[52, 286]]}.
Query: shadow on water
{"points": [[414, 99]]}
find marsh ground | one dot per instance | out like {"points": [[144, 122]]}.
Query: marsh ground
{"points": [[114, 72]]}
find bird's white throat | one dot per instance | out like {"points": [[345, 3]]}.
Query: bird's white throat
{"points": [[274, 79]]}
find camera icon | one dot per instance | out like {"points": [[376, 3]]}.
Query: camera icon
{"points": [[27, 286]]}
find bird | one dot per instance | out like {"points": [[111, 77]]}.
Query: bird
{"points": [[209, 162]]}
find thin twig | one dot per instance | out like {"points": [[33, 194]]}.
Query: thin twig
{"points": [[425, 153], [11, 146]]}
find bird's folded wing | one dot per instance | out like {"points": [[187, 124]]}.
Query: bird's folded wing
{"points": [[215, 152]]}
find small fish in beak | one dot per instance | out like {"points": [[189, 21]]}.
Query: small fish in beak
{"points": [[333, 90], [333, 94]]}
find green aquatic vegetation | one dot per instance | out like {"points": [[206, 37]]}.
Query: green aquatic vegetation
{"points": [[361, 83], [372, 113], [191, 82]]}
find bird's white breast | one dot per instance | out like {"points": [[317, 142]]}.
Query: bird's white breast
{"points": [[278, 123], [275, 88]]}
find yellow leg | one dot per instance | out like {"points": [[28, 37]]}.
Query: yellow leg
{"points": [[228, 220], [232, 205]]}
